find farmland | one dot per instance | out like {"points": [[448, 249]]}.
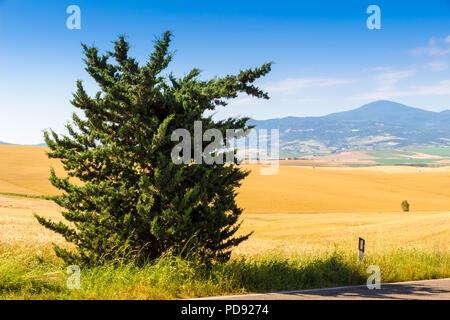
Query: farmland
{"points": [[303, 213], [309, 205]]}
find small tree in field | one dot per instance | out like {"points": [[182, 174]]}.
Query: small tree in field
{"points": [[133, 202], [405, 206]]}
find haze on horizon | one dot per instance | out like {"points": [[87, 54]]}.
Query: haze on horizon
{"points": [[326, 59]]}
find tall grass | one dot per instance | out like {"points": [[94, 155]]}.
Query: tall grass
{"points": [[40, 275]]}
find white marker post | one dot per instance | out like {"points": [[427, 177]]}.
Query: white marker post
{"points": [[361, 245]]}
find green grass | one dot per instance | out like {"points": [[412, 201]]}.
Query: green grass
{"points": [[294, 155], [25, 196], [405, 161], [397, 156], [37, 275], [388, 153], [443, 152]]}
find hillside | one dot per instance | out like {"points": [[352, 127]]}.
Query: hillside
{"points": [[25, 170], [374, 126]]}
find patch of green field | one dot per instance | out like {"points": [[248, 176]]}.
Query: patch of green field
{"points": [[401, 156], [388, 153], [405, 161], [443, 152], [293, 155], [10, 194], [37, 275]]}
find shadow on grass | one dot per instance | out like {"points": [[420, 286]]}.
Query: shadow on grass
{"points": [[172, 277], [278, 274], [31, 287]]}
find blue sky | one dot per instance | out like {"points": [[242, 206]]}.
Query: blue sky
{"points": [[326, 59]]}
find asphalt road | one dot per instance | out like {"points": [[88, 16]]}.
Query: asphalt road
{"points": [[423, 290]]}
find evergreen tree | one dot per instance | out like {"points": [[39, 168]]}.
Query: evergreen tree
{"points": [[123, 196]]}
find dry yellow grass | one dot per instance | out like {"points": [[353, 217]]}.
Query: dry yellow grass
{"points": [[296, 189], [312, 232], [281, 232], [18, 227], [300, 208], [26, 170], [307, 189]]}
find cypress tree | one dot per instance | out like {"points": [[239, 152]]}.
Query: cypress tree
{"points": [[123, 196]]}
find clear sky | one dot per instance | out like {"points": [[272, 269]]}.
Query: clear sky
{"points": [[326, 59]]}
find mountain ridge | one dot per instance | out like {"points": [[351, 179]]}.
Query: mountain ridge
{"points": [[380, 124], [16, 144]]}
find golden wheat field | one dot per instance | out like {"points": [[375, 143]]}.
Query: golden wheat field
{"points": [[297, 209], [25, 170]]}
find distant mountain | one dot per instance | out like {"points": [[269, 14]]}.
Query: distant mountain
{"points": [[377, 125], [32, 145], [5, 143]]}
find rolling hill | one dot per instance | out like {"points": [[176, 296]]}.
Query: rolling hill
{"points": [[25, 170]]}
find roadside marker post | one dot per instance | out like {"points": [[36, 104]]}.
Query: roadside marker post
{"points": [[361, 244]]}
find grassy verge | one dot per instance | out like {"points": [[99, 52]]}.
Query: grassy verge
{"points": [[40, 275], [10, 194]]}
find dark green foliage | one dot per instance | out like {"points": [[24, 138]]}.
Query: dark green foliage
{"points": [[133, 202], [405, 206]]}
